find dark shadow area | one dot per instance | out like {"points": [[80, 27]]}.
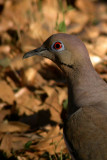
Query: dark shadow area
{"points": [[36, 120], [3, 156], [39, 119]]}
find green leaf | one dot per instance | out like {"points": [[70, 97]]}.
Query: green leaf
{"points": [[62, 27], [65, 104], [28, 144]]}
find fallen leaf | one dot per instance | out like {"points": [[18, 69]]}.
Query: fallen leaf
{"points": [[62, 94], [52, 104], [53, 142], [3, 114], [48, 90], [26, 102], [13, 126], [32, 77], [6, 93], [6, 144]]}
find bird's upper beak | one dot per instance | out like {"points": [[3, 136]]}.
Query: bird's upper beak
{"points": [[38, 51]]}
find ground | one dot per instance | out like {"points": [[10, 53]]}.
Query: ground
{"points": [[33, 92]]}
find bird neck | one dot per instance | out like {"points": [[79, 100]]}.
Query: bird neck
{"points": [[84, 86]]}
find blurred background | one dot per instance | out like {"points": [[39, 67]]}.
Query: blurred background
{"points": [[33, 92]]}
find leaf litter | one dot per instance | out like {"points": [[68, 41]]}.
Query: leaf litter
{"points": [[33, 92]]}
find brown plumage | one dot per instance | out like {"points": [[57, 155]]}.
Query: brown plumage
{"points": [[85, 129]]}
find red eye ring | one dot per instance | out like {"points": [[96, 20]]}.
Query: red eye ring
{"points": [[58, 45]]}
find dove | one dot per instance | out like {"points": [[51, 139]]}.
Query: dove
{"points": [[85, 127]]}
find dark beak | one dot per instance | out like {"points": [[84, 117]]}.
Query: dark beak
{"points": [[34, 52]]}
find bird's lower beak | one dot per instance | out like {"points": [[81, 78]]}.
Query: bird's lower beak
{"points": [[38, 51]]}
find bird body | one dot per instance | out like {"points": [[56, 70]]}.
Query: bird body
{"points": [[87, 134], [85, 128]]}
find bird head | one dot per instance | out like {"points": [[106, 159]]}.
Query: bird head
{"points": [[63, 49]]}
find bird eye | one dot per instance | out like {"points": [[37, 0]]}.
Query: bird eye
{"points": [[58, 46]]}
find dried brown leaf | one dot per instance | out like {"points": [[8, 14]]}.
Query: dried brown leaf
{"points": [[13, 127], [6, 144], [11, 142], [53, 142], [26, 102], [32, 77], [3, 114], [6, 93], [48, 90], [52, 104], [62, 94]]}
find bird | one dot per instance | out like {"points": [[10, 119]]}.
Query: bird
{"points": [[85, 127]]}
